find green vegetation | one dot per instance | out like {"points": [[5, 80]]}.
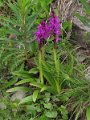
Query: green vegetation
{"points": [[50, 76]]}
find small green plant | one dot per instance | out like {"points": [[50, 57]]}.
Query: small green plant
{"points": [[17, 44], [16, 38]]}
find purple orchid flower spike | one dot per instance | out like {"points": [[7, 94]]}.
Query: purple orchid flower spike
{"points": [[43, 32], [55, 25]]}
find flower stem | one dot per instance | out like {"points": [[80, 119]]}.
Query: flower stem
{"points": [[40, 66], [57, 69], [25, 36]]}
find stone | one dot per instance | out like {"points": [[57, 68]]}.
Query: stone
{"points": [[2, 106], [19, 95], [87, 73]]}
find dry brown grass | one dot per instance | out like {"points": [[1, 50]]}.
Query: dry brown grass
{"points": [[65, 8]]}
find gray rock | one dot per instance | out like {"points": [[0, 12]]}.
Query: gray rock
{"points": [[19, 95], [81, 56], [87, 73], [2, 106]]}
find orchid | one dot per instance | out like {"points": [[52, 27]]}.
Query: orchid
{"points": [[43, 32], [54, 27], [48, 29]]}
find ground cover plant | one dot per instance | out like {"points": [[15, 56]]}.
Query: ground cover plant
{"points": [[40, 75]]}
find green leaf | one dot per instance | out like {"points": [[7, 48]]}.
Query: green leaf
{"points": [[83, 19], [67, 25], [43, 117], [9, 83], [48, 105], [18, 89], [34, 71], [43, 88], [51, 114], [35, 84], [35, 95], [88, 113], [1, 3], [48, 77], [32, 19], [25, 81], [86, 6], [7, 57], [26, 100], [22, 74], [15, 9], [64, 112], [31, 108], [8, 20]]}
